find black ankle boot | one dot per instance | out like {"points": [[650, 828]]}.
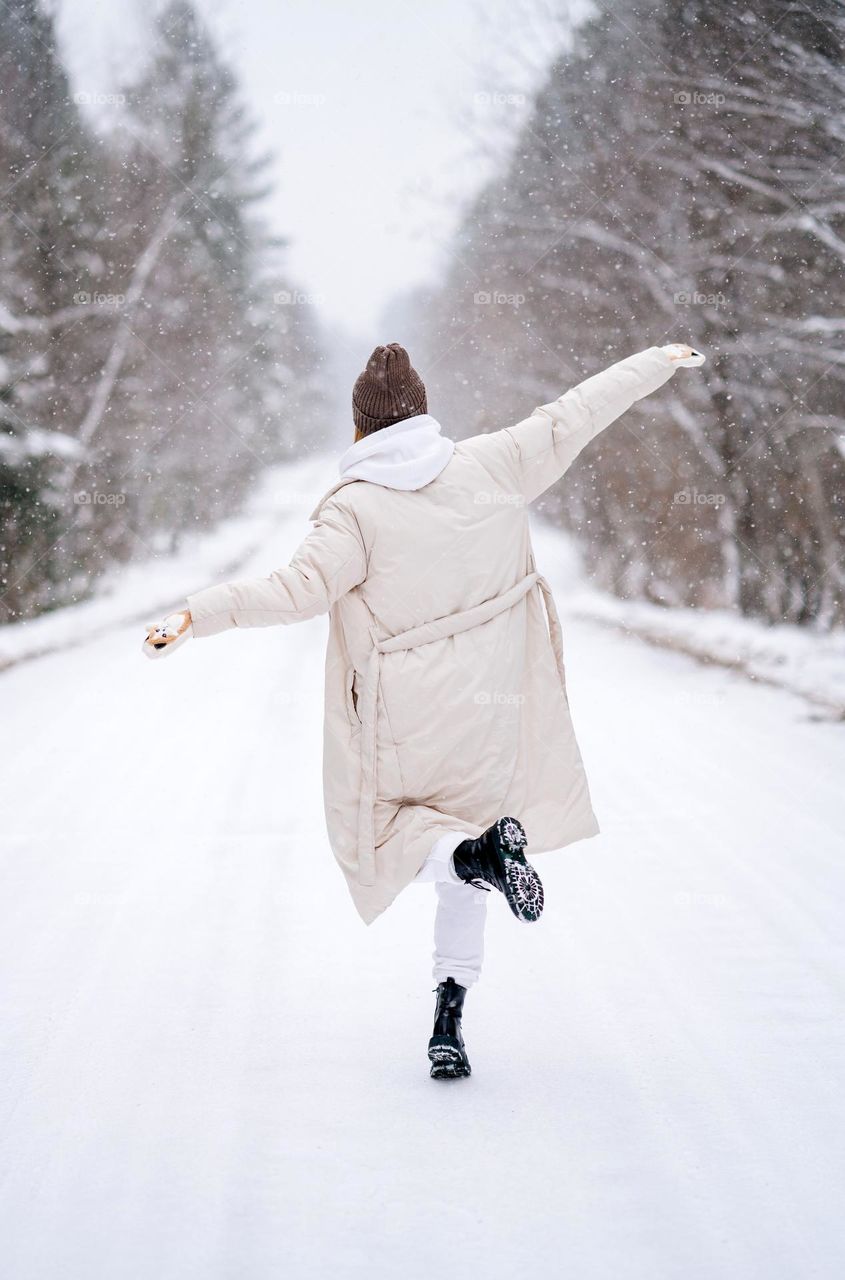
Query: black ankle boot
{"points": [[496, 859], [446, 1051]]}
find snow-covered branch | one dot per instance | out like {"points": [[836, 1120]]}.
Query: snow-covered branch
{"points": [[134, 294]]}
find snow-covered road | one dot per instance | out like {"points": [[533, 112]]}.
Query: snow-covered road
{"points": [[212, 1071]]}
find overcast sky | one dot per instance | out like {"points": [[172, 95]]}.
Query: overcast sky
{"points": [[373, 110]]}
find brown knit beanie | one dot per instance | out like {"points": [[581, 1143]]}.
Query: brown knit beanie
{"points": [[387, 391]]}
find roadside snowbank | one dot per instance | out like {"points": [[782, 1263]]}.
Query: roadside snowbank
{"points": [[805, 662], [146, 588]]}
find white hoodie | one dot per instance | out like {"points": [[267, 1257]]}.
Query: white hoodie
{"points": [[407, 455]]}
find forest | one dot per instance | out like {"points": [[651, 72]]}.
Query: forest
{"points": [[679, 177], [154, 355]]}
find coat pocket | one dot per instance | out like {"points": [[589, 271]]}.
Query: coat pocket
{"points": [[352, 699]]}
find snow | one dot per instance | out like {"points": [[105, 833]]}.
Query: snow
{"points": [[211, 1068], [803, 660], [38, 442]]}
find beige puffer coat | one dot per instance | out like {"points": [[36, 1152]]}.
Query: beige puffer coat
{"points": [[445, 703]]}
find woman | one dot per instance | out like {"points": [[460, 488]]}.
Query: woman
{"points": [[448, 744]]}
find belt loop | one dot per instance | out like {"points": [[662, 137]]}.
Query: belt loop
{"points": [[555, 630], [368, 792]]}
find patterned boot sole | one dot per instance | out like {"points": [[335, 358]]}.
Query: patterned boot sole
{"points": [[523, 887], [447, 1061]]}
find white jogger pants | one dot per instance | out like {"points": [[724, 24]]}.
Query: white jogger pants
{"points": [[460, 916]]}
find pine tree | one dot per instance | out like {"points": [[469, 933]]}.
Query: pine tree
{"points": [[213, 344]]}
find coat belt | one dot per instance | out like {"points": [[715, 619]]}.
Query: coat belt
{"points": [[439, 629]]}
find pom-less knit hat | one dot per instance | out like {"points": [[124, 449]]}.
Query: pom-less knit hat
{"points": [[387, 391]]}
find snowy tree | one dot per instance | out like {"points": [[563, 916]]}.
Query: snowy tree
{"points": [[210, 345]]}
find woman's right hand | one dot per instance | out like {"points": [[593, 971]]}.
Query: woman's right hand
{"points": [[163, 637], [683, 356]]}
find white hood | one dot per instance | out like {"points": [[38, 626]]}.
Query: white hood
{"points": [[407, 455]]}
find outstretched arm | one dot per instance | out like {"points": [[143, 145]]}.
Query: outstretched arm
{"points": [[331, 561], [548, 442]]}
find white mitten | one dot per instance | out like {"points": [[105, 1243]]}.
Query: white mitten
{"points": [[683, 356], [162, 638]]}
